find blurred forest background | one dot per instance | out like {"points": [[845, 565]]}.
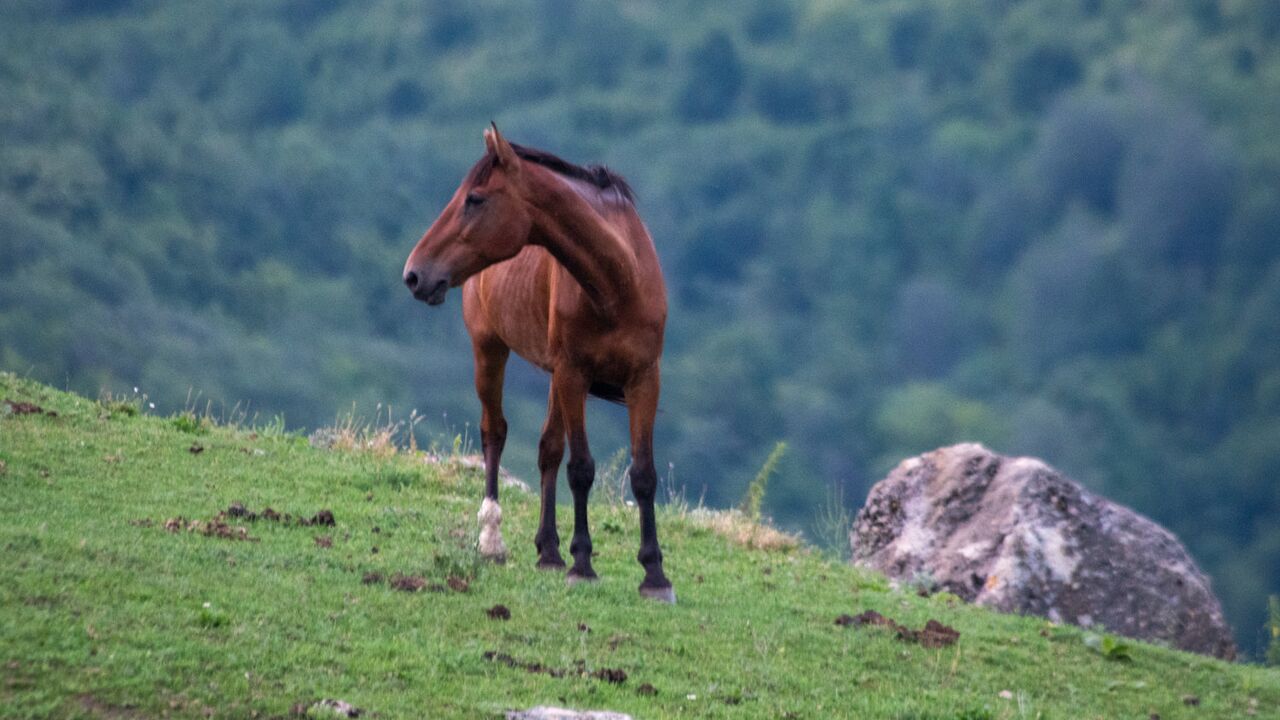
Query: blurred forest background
{"points": [[1052, 226]]}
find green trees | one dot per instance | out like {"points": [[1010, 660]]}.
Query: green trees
{"points": [[714, 81]]}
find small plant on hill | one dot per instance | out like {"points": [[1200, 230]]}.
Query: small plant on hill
{"points": [[831, 523], [1109, 646], [611, 479], [447, 442], [209, 618], [455, 557], [946, 598], [273, 428], [114, 405], [187, 422], [755, 491]]}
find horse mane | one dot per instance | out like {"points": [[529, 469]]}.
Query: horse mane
{"points": [[597, 175]]}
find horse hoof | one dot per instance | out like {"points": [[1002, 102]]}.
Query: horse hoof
{"points": [[661, 594], [553, 563], [574, 577]]}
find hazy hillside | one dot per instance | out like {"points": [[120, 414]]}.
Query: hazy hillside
{"points": [[1047, 225]]}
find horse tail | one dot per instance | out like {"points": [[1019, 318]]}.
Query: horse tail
{"points": [[608, 391]]}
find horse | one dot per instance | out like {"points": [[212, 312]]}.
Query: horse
{"points": [[555, 264]]}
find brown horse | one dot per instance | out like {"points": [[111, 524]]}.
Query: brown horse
{"points": [[556, 265]]}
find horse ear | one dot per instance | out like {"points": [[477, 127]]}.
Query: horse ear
{"points": [[499, 147], [490, 139]]}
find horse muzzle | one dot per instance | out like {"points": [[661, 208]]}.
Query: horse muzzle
{"points": [[428, 284]]}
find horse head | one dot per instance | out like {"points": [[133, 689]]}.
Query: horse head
{"points": [[485, 222]]}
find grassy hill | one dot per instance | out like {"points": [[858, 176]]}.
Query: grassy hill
{"points": [[105, 612]]}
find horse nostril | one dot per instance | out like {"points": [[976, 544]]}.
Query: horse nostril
{"points": [[411, 280]]}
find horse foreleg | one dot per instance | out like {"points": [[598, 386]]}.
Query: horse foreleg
{"points": [[491, 363], [571, 396], [550, 452], [642, 403]]}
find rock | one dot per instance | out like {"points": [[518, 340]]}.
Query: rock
{"points": [[554, 713], [339, 708], [476, 462], [1013, 534]]}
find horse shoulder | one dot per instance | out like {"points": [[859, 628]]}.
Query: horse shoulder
{"points": [[511, 301]]}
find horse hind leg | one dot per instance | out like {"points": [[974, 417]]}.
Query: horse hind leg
{"points": [[571, 395], [491, 361], [550, 453], [642, 401]]}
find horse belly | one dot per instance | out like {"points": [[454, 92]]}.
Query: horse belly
{"points": [[614, 355]]}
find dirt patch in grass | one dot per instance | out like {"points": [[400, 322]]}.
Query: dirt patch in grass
{"points": [[239, 511], [96, 707], [219, 526], [611, 675], [216, 527], [324, 517], [933, 635], [407, 583], [579, 669], [15, 676], [17, 407], [416, 583], [499, 612], [936, 635]]}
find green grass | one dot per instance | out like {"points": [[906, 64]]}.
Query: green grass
{"points": [[105, 615]]}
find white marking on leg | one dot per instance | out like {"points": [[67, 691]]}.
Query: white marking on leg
{"points": [[490, 517]]}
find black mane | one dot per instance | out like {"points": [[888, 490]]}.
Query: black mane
{"points": [[597, 175]]}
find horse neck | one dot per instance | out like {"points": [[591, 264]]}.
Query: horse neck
{"points": [[584, 243]]}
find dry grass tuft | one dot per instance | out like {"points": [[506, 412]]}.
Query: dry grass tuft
{"points": [[378, 440], [741, 530], [380, 436]]}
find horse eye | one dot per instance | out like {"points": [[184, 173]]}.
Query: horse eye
{"points": [[474, 200]]}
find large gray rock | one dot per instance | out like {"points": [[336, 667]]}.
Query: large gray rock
{"points": [[1015, 535]]}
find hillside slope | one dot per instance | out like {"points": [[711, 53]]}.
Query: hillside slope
{"points": [[107, 613]]}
